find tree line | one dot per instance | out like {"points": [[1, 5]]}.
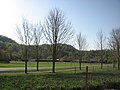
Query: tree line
{"points": [[57, 31]]}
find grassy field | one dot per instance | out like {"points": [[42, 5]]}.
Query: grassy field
{"points": [[60, 81], [49, 64], [47, 67], [67, 77]]}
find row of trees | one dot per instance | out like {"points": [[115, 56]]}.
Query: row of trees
{"points": [[112, 43], [56, 29]]}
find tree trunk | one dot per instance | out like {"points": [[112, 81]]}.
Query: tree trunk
{"points": [[101, 60], [113, 63], [118, 52], [25, 66], [113, 57], [54, 57], [37, 58], [101, 64], [101, 57], [80, 60], [80, 64], [37, 65], [26, 59]]}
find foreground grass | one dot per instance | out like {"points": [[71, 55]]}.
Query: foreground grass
{"points": [[60, 81]]}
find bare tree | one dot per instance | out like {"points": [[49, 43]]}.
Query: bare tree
{"points": [[112, 47], [37, 34], [115, 43], [101, 45], [82, 44], [23, 32], [57, 30]]}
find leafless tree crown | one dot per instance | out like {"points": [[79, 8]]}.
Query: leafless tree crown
{"points": [[24, 32], [57, 30], [37, 34], [101, 40], [81, 42]]}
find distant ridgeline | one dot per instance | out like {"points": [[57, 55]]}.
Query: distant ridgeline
{"points": [[11, 50], [6, 39]]}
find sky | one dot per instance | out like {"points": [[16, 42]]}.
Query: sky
{"points": [[86, 16]]}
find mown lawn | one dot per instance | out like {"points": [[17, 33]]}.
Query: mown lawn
{"points": [[98, 80], [66, 67], [49, 64]]}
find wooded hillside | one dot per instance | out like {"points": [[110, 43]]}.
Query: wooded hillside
{"points": [[9, 49]]}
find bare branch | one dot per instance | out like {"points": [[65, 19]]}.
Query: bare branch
{"points": [[37, 34], [81, 42], [24, 32], [57, 30], [114, 43], [101, 40]]}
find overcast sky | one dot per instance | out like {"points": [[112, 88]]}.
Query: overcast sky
{"points": [[86, 16]]}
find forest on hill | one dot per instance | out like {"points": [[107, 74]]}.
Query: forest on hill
{"points": [[6, 39], [11, 50]]}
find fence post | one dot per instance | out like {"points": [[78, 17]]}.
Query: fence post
{"points": [[86, 79], [75, 69], [93, 68], [107, 67]]}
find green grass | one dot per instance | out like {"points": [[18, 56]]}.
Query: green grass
{"points": [[66, 67], [98, 80], [48, 64]]}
